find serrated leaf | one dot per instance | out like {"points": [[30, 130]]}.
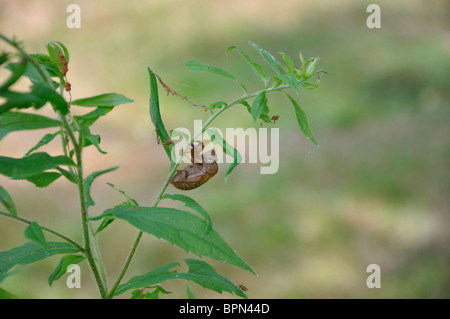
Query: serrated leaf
{"points": [[31, 165], [197, 66], [18, 121], [107, 99], [32, 252], [34, 233], [62, 266], [7, 201], [302, 119], [205, 275], [181, 229], [192, 204], [153, 277], [199, 272], [44, 141], [90, 179], [259, 106]]}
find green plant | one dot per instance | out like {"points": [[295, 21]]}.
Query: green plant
{"points": [[48, 76]]}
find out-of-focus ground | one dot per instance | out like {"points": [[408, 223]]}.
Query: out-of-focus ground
{"points": [[376, 190]]}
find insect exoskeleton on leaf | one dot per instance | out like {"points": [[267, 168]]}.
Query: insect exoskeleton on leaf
{"points": [[203, 168], [243, 288]]}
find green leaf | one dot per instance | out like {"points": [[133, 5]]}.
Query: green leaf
{"points": [[155, 293], [49, 94], [63, 48], [204, 275], [199, 272], [30, 72], [153, 277], [89, 118], [288, 78], [189, 292], [258, 69], [31, 165], [61, 268], [302, 119], [44, 141], [131, 201], [4, 57], [91, 139], [259, 106], [90, 179], [291, 80], [107, 99], [181, 229], [288, 62], [18, 121], [217, 105], [94, 139], [7, 201], [16, 270], [34, 233], [192, 204], [53, 52], [46, 67], [197, 66], [42, 179], [20, 100], [311, 66], [105, 223], [32, 252], [71, 177], [6, 295], [268, 57], [217, 139], [17, 70], [155, 115]]}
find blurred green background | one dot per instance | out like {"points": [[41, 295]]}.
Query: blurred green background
{"points": [[376, 190]]}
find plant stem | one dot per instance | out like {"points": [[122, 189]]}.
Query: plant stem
{"points": [[87, 233], [175, 166], [49, 230], [84, 215]]}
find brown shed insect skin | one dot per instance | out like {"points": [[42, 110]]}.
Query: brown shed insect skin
{"points": [[196, 174], [243, 288]]}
